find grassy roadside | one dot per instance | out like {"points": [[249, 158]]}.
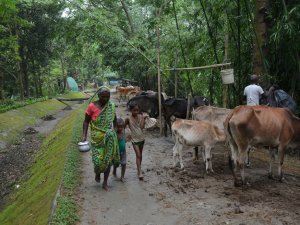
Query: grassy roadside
{"points": [[66, 210], [57, 161], [13, 122]]}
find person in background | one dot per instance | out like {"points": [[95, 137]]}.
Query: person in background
{"points": [[120, 130], [253, 91], [101, 116]]}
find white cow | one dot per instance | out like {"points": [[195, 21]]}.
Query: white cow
{"points": [[195, 133], [213, 115]]}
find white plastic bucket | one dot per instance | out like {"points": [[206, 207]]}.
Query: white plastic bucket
{"points": [[227, 76]]}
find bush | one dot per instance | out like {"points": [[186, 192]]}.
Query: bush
{"points": [[9, 104]]}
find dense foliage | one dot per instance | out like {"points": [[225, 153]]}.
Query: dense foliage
{"points": [[8, 104], [43, 42]]}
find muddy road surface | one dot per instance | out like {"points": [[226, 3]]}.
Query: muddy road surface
{"points": [[189, 196]]}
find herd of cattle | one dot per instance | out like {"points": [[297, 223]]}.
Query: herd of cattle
{"points": [[242, 128]]}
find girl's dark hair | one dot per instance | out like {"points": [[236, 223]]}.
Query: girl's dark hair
{"points": [[132, 105]]}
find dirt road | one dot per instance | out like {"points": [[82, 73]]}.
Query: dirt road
{"points": [[169, 196]]}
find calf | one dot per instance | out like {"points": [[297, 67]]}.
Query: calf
{"points": [[260, 126], [213, 115], [195, 133]]}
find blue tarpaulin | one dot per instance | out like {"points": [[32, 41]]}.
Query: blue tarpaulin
{"points": [[72, 84]]}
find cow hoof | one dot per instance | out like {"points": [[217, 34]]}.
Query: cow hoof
{"points": [[238, 183], [176, 169], [208, 171], [246, 184], [270, 176], [282, 179], [248, 165]]}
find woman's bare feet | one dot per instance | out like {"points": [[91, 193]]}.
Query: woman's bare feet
{"points": [[105, 187], [97, 177], [141, 177]]}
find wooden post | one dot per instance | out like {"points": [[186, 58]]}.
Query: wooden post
{"points": [[158, 74], [176, 84], [176, 76], [225, 86], [188, 106]]}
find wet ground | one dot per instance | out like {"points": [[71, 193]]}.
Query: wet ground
{"points": [[190, 196]]}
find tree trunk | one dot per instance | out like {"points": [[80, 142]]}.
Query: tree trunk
{"points": [[19, 70], [125, 8], [40, 83], [260, 29], [23, 67], [64, 76], [20, 80], [35, 79], [1, 85]]}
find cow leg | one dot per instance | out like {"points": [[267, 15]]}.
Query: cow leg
{"points": [[210, 162], [208, 165], [280, 157], [175, 154], [166, 128], [203, 154], [248, 163], [170, 126], [272, 159], [180, 147], [241, 161], [232, 158], [196, 156]]}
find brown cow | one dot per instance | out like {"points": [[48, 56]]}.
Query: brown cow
{"points": [[195, 133], [125, 92], [260, 126]]}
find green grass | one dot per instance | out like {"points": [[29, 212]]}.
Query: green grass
{"points": [[8, 104], [66, 211], [14, 121], [32, 202]]}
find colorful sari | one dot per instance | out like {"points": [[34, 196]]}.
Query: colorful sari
{"points": [[105, 149]]}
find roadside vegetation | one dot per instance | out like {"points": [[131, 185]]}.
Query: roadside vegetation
{"points": [[13, 122], [56, 163], [66, 211]]}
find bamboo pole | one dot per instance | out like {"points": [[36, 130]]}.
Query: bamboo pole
{"points": [[158, 74], [201, 67], [188, 106], [225, 86], [176, 76]]}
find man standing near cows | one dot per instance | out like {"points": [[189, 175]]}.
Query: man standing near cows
{"points": [[253, 92]]}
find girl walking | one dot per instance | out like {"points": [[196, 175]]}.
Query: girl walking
{"points": [[136, 124]]}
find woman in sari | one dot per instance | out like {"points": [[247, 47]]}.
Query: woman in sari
{"points": [[101, 116]]}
